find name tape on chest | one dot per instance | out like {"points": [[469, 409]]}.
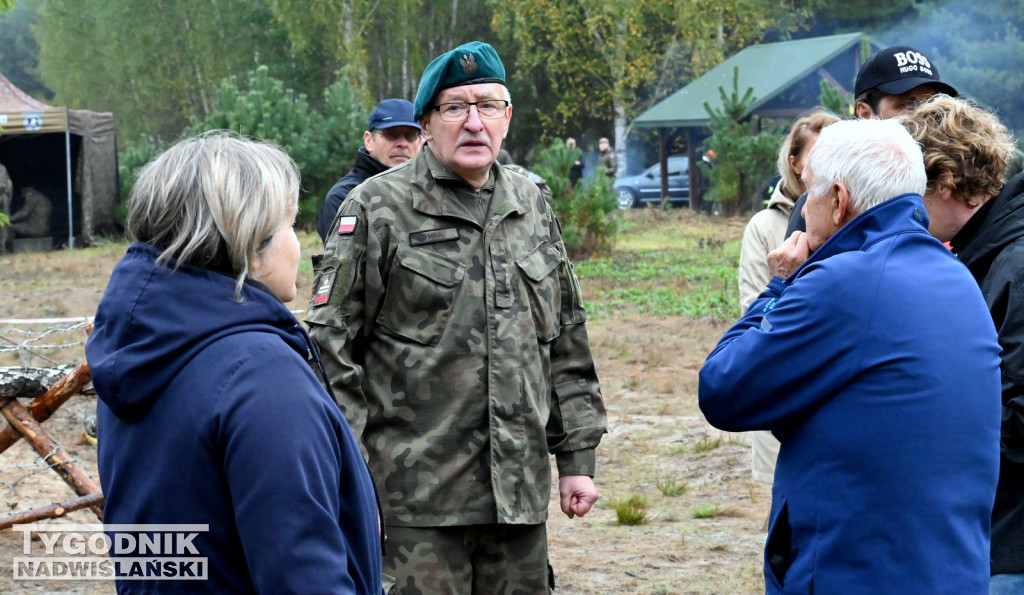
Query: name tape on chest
{"points": [[432, 236]]}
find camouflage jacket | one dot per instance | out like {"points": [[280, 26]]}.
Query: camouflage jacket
{"points": [[459, 354], [608, 161]]}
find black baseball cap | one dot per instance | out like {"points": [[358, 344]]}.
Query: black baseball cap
{"points": [[899, 69]]}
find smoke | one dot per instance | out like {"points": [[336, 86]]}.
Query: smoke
{"points": [[977, 48]]}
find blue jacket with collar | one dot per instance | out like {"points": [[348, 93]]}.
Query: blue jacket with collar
{"points": [[877, 366]]}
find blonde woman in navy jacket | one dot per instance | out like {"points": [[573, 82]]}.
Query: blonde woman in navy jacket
{"points": [[210, 411]]}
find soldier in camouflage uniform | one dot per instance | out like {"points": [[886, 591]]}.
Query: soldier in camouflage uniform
{"points": [[453, 333]]}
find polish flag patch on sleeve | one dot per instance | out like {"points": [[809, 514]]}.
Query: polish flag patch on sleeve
{"points": [[347, 225]]}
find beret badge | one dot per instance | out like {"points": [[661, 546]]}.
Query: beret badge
{"points": [[468, 63]]}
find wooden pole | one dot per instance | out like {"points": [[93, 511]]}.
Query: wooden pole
{"points": [[44, 406], [46, 447], [51, 511]]}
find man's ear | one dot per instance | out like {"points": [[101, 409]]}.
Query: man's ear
{"points": [[508, 120], [425, 130], [841, 208], [863, 111], [944, 185], [366, 140]]}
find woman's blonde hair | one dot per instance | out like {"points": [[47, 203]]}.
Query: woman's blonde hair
{"points": [[214, 201], [963, 144], [803, 132]]}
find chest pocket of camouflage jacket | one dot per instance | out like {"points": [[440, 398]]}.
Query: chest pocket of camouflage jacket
{"points": [[540, 268], [420, 293]]}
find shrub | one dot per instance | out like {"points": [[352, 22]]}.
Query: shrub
{"points": [[586, 212], [266, 109], [745, 154], [130, 160]]}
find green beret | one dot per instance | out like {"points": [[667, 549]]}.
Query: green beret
{"points": [[469, 64]]}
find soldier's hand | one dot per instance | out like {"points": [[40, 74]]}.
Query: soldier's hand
{"points": [[788, 257], [577, 494]]}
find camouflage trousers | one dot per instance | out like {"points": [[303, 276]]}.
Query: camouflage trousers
{"points": [[468, 560]]}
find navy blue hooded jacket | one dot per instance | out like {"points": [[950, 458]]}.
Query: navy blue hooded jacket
{"points": [[211, 414], [876, 365]]}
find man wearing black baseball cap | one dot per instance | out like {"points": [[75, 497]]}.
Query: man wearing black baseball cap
{"points": [[892, 81], [392, 137], [896, 79]]}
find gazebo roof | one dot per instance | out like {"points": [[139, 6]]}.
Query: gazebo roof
{"points": [[768, 68]]}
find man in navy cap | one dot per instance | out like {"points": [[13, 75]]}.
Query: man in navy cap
{"points": [[453, 335], [392, 137]]}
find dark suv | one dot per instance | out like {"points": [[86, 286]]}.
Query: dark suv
{"points": [[634, 191]]}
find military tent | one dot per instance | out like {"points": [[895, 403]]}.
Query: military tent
{"points": [[69, 155]]}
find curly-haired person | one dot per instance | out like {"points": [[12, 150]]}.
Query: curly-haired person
{"points": [[966, 151]]}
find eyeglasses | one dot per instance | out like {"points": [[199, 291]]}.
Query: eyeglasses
{"points": [[392, 135], [457, 111]]}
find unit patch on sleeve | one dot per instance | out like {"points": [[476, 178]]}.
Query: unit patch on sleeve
{"points": [[323, 289], [347, 225]]}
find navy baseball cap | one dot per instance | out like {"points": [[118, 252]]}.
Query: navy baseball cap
{"points": [[899, 69], [390, 113]]}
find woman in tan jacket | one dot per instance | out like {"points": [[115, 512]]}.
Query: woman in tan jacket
{"points": [[765, 231]]}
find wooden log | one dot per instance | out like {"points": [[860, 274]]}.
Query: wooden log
{"points": [[51, 511], [46, 405], [24, 382], [51, 452]]}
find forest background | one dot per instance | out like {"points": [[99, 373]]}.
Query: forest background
{"points": [[305, 73]]}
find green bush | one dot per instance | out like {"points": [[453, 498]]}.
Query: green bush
{"points": [[322, 147], [130, 160], [586, 212], [345, 119], [745, 154]]}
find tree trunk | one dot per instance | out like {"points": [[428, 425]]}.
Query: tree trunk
{"points": [[45, 406], [621, 134], [28, 383]]}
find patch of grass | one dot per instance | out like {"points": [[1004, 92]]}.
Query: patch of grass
{"points": [[707, 443], [663, 283], [671, 487], [706, 512], [631, 510], [665, 588]]}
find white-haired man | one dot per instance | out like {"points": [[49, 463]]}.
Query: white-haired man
{"points": [[890, 436]]}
